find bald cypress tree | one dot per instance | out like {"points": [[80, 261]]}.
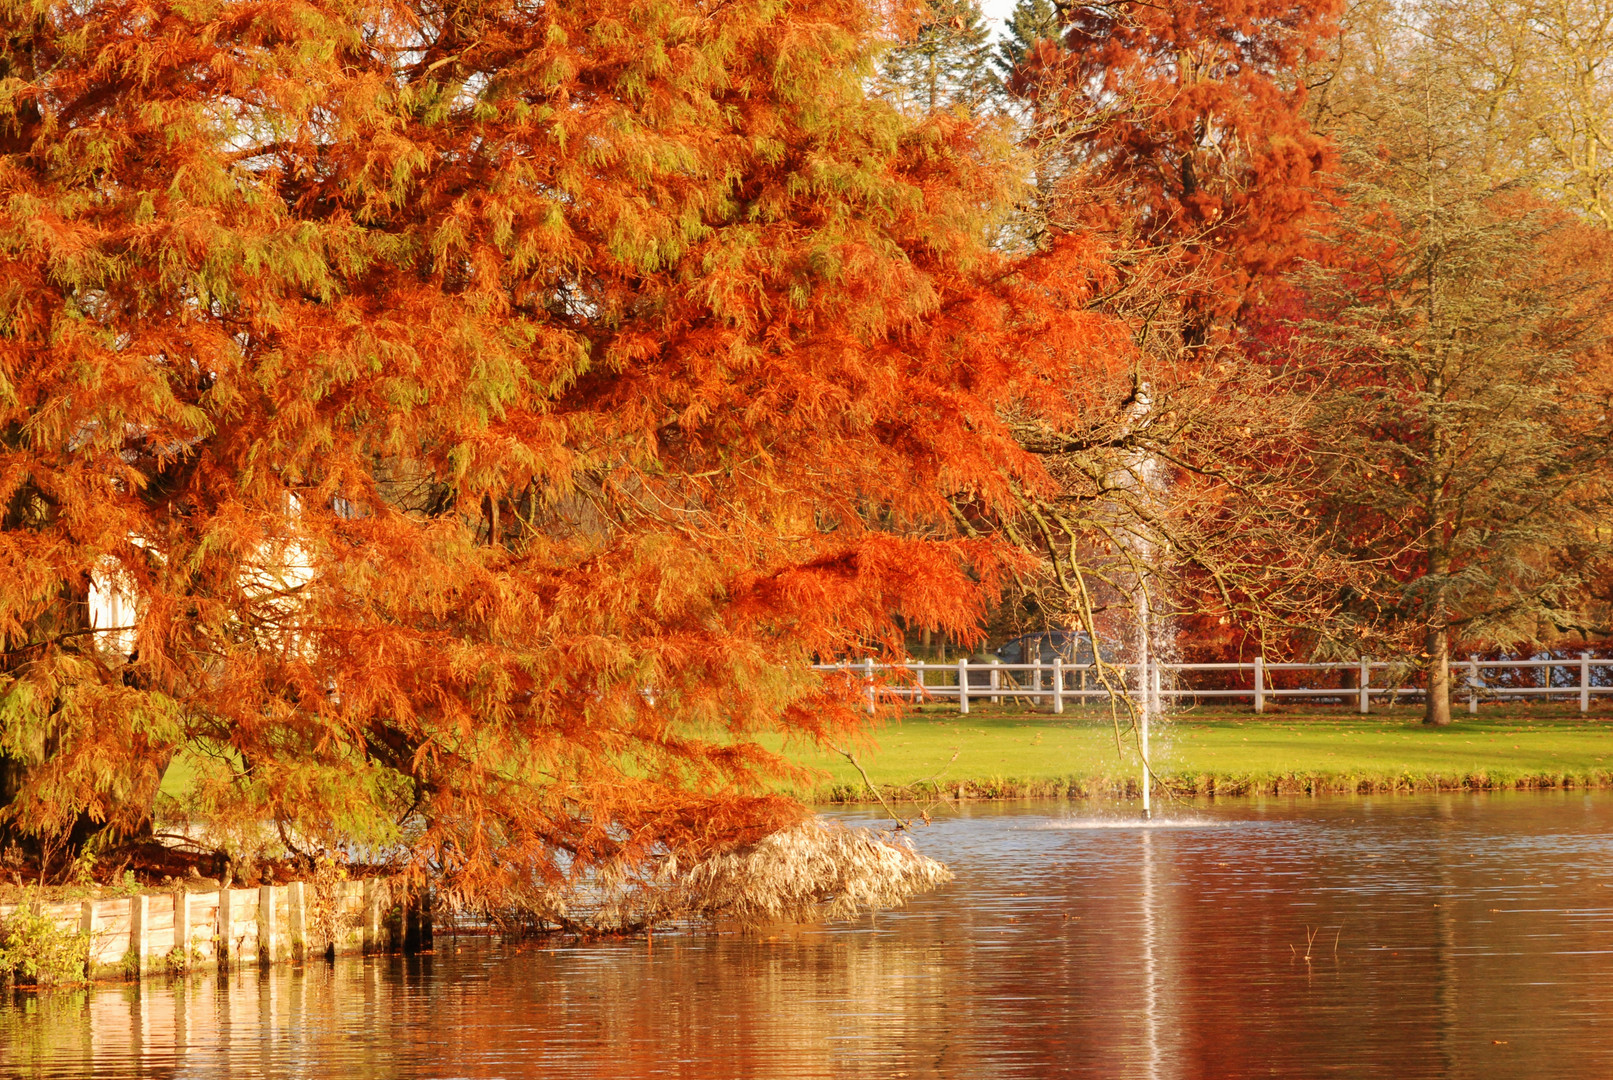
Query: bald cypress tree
{"points": [[482, 413]]}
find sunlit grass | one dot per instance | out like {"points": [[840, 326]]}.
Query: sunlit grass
{"points": [[1004, 751], [1000, 750]]}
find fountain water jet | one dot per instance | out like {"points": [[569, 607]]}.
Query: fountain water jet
{"points": [[1144, 685], [1144, 472]]}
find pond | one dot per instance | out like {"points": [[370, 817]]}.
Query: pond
{"points": [[1455, 935]]}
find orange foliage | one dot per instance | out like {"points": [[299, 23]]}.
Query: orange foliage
{"points": [[1177, 134], [1187, 120], [488, 409]]}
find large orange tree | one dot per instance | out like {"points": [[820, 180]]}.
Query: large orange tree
{"points": [[484, 413]]}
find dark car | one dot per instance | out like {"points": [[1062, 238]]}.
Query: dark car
{"points": [[1043, 645]]}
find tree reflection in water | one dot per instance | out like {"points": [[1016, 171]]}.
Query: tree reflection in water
{"points": [[1475, 937]]}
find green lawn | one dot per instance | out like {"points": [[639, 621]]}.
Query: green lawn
{"points": [[1004, 752]]}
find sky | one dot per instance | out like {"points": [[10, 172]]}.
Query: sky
{"points": [[997, 12]]}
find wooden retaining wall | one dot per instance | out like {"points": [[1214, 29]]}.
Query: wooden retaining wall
{"points": [[271, 924]]}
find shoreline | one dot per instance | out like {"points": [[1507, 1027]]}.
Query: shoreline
{"points": [[1200, 786], [177, 928]]}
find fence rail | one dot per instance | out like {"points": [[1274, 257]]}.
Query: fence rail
{"points": [[1057, 682]]}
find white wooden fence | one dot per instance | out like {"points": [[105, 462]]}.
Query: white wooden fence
{"points": [[1058, 682]]}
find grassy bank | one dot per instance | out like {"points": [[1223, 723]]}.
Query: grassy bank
{"points": [[1007, 753]]}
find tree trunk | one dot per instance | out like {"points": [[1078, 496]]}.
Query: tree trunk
{"points": [[1438, 646]]}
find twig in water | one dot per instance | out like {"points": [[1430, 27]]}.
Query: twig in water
{"points": [[849, 756], [924, 810]]}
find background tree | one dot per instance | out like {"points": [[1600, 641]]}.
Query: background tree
{"points": [[1539, 75], [1533, 75], [1464, 450], [941, 60], [1176, 139], [1030, 21], [1181, 129]]}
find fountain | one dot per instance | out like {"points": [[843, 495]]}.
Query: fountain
{"points": [[1142, 472], [1145, 698]]}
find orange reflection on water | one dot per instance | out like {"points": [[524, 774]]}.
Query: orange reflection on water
{"points": [[1474, 937]]}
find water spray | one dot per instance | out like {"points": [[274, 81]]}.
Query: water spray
{"points": [[1144, 697], [1142, 471]]}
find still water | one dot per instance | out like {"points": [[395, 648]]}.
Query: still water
{"points": [[1459, 935]]}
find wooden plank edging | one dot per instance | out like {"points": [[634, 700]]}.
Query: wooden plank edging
{"points": [[155, 932]]}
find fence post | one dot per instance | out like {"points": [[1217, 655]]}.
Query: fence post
{"points": [[140, 930], [1366, 685], [1058, 684], [1584, 682], [297, 920], [1472, 684], [1260, 684], [868, 682], [268, 930], [963, 685], [372, 916], [996, 682], [86, 926], [226, 930], [182, 926]]}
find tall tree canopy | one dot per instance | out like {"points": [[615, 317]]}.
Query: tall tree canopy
{"points": [[1182, 126], [1462, 419], [1177, 135], [1535, 78], [486, 411]]}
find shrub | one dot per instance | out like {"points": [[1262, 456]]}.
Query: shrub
{"points": [[35, 950]]}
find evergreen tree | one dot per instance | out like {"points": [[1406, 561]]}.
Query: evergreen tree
{"points": [[1032, 21], [944, 62]]}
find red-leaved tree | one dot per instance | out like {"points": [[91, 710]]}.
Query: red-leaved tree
{"points": [[483, 414], [1176, 136]]}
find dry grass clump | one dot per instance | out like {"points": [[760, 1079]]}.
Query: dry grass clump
{"points": [[816, 870], [811, 872]]}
